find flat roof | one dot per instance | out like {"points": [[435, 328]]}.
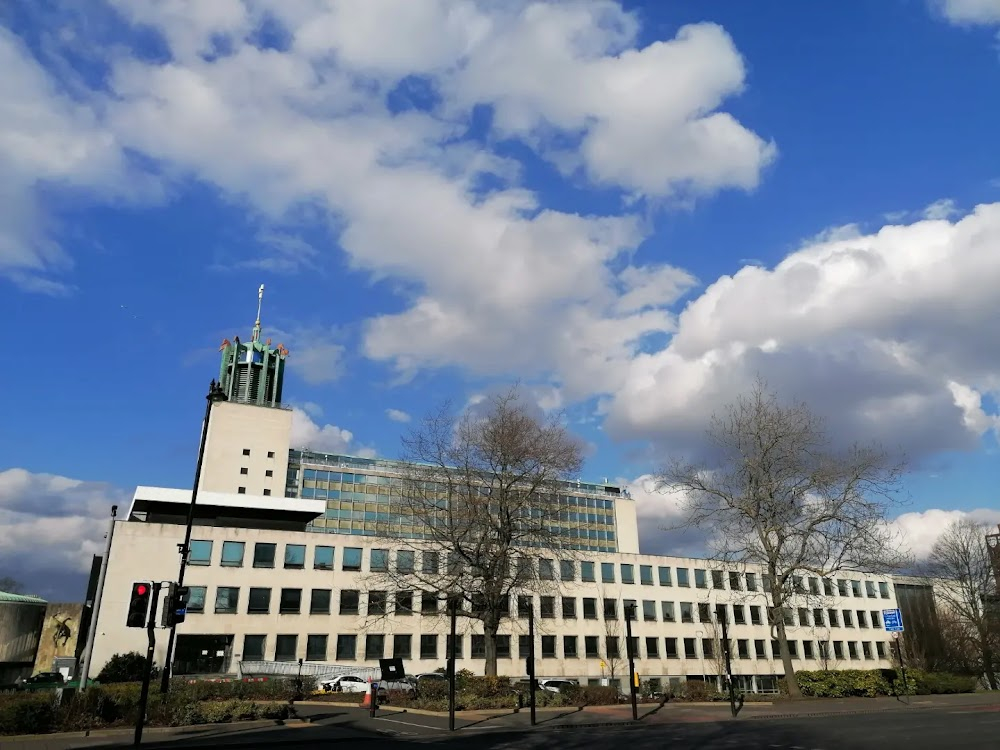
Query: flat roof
{"points": [[269, 506]]}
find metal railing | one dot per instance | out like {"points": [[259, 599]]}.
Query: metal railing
{"points": [[319, 670]]}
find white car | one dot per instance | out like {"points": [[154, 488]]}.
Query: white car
{"points": [[557, 686], [349, 683], [346, 683]]}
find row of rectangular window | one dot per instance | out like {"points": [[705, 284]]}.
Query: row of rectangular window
{"points": [[290, 602], [405, 561], [402, 647]]}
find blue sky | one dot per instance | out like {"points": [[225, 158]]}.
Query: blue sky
{"points": [[632, 208]]}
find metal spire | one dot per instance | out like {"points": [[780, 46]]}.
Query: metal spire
{"points": [[256, 326]]}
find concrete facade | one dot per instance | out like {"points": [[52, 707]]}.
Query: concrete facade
{"points": [[247, 447], [289, 627]]}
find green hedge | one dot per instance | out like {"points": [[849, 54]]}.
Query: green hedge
{"points": [[118, 704], [869, 683]]}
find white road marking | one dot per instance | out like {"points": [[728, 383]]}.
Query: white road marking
{"points": [[408, 723]]}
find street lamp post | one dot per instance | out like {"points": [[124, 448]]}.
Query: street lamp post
{"points": [[630, 612], [215, 393]]}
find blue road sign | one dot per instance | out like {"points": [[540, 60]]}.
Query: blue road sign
{"points": [[893, 620]]}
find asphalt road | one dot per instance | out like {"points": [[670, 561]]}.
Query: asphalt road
{"points": [[975, 728]]}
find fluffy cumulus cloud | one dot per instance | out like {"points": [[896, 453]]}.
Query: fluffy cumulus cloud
{"points": [[362, 112], [970, 12], [885, 333], [920, 530], [327, 438], [397, 415], [53, 526]]}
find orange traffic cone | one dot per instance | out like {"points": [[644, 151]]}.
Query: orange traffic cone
{"points": [[367, 702]]}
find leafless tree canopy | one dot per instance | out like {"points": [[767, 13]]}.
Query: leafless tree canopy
{"points": [[480, 507], [962, 558], [779, 496]]}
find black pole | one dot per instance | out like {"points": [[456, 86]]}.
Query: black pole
{"points": [[531, 660], [215, 393], [144, 694], [729, 662], [453, 611], [902, 666], [629, 614]]}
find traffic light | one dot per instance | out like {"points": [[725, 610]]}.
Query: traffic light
{"points": [[138, 605], [174, 605]]}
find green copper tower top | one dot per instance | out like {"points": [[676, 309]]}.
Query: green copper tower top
{"points": [[253, 372]]}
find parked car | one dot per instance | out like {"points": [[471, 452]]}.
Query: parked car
{"points": [[346, 683], [349, 683], [557, 686], [42, 681]]}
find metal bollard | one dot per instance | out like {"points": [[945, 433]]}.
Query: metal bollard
{"points": [[374, 700]]}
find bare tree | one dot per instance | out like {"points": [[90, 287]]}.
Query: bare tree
{"points": [[11, 585], [961, 558], [480, 506], [779, 496]]}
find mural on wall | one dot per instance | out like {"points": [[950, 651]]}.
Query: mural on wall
{"points": [[59, 635]]}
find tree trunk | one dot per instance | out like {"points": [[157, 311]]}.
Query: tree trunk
{"points": [[777, 602], [490, 631], [991, 675]]}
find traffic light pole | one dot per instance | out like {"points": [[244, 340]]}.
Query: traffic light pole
{"points": [[144, 695], [531, 661], [215, 393], [453, 611], [629, 651]]}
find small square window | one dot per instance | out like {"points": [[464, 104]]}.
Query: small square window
{"points": [[347, 647], [319, 603], [646, 575], [291, 601], [349, 600], [244, 470], [232, 554], [226, 600], [241, 490], [260, 601], [352, 558], [374, 647], [478, 647], [548, 647], [316, 647], [267, 493], [263, 554], [401, 646], [323, 559], [196, 599], [379, 560], [246, 451], [428, 647], [295, 556], [268, 473], [200, 552], [253, 647]]}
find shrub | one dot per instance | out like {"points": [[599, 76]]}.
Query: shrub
{"points": [[935, 683], [126, 668], [697, 690], [27, 713], [593, 695]]}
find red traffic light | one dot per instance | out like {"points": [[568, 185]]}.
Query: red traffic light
{"points": [[140, 589]]}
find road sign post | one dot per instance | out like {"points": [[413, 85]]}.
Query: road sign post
{"points": [[893, 621]]}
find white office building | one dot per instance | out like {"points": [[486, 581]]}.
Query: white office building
{"points": [[285, 556]]}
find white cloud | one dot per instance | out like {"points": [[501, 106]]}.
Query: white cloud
{"points": [[970, 12], [945, 208], [314, 352], [397, 416], [660, 515], [308, 124], [883, 333], [328, 438], [53, 525], [48, 139], [920, 530]]}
